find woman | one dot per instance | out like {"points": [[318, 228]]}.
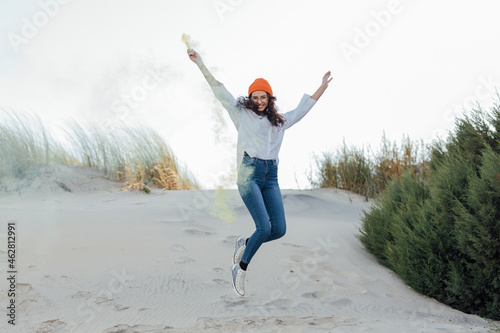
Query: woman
{"points": [[260, 133]]}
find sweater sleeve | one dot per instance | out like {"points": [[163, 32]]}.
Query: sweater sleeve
{"points": [[228, 102], [292, 117]]}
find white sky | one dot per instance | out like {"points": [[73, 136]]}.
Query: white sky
{"points": [[417, 67]]}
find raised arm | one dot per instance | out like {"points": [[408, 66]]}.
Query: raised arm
{"points": [[221, 93], [306, 103], [324, 85], [196, 58]]}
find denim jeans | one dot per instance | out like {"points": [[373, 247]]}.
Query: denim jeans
{"points": [[259, 189]]}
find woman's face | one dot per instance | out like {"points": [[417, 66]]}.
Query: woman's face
{"points": [[259, 98]]}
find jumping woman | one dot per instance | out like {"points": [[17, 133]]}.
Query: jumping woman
{"points": [[260, 133]]}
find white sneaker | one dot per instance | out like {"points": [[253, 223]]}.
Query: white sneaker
{"points": [[239, 248], [238, 279]]}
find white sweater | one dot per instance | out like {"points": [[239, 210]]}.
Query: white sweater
{"points": [[256, 135]]}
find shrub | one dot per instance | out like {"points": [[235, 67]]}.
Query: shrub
{"points": [[441, 234]]}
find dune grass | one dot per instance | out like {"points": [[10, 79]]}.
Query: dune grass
{"points": [[367, 172], [25, 145], [137, 156]]}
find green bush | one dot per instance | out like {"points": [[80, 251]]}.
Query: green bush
{"points": [[441, 233], [478, 238]]}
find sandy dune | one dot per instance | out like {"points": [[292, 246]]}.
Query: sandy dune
{"points": [[123, 262]]}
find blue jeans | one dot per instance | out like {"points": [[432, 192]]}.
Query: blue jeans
{"points": [[259, 189]]}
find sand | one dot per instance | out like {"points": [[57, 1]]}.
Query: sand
{"points": [[91, 258]]}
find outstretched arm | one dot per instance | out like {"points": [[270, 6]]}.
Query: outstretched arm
{"points": [[324, 85], [220, 92], [195, 57]]}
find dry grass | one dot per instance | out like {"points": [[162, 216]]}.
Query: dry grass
{"points": [[137, 156], [363, 171], [25, 145]]}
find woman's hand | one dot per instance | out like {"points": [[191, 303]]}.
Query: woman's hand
{"points": [[195, 57], [324, 84], [326, 79]]}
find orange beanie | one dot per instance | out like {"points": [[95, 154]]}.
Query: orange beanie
{"points": [[260, 84]]}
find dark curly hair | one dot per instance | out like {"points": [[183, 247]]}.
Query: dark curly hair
{"points": [[271, 112]]}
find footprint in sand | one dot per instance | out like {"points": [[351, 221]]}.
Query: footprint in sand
{"points": [[178, 248], [229, 240], [324, 322], [30, 301], [120, 307], [103, 299], [297, 258], [236, 303], [316, 294], [172, 221], [218, 270], [81, 294], [23, 287], [349, 288], [281, 302], [49, 280], [54, 325], [320, 279], [28, 304], [123, 328], [291, 245], [230, 301], [184, 260], [341, 302], [222, 283], [193, 231]]}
